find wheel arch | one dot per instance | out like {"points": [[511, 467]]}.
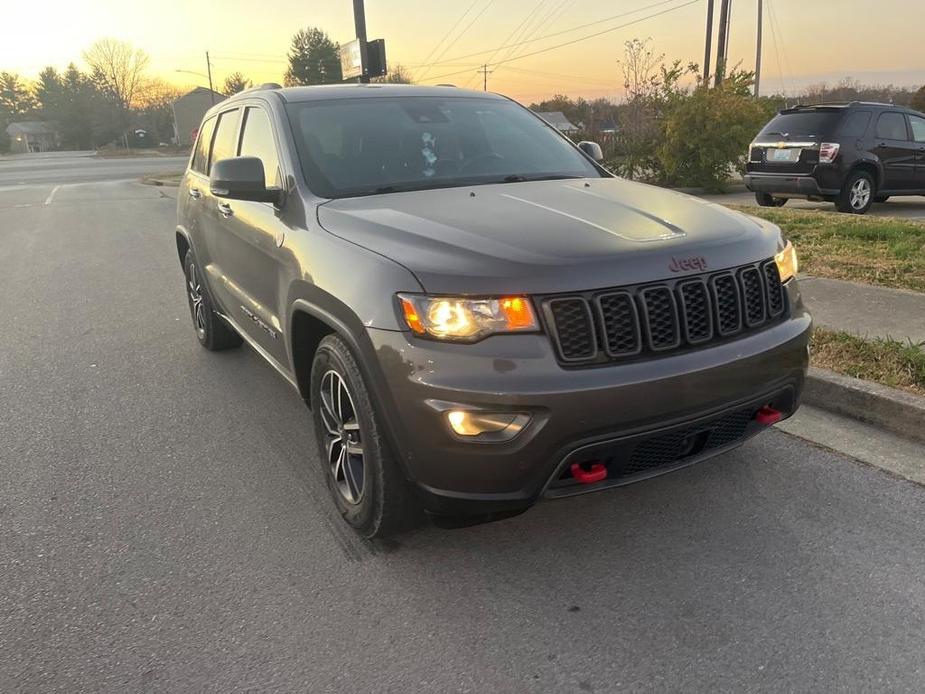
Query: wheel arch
{"points": [[871, 167], [183, 243]]}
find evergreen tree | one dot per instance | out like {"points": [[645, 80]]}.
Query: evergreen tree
{"points": [[313, 59]]}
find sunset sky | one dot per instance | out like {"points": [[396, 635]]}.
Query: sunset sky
{"points": [[806, 41]]}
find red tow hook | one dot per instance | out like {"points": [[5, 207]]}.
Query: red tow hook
{"points": [[767, 415], [595, 474]]}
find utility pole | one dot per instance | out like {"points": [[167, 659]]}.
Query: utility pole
{"points": [[485, 73], [359, 21], [722, 43], [708, 50], [758, 51], [209, 69]]}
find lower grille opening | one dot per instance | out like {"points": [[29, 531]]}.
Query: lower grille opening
{"points": [[645, 454]]}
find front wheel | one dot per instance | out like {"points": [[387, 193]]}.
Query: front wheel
{"points": [[857, 195], [768, 200], [369, 489]]}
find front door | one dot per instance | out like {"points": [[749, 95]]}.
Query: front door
{"points": [[248, 252], [917, 124], [896, 151]]}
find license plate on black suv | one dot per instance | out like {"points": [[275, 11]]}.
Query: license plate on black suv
{"points": [[784, 155]]}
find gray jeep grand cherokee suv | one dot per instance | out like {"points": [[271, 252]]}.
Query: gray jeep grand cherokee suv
{"points": [[479, 315]]}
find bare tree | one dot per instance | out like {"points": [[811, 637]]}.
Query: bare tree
{"points": [[236, 82], [120, 68]]}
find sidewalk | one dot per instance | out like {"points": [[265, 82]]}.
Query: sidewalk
{"points": [[864, 310]]}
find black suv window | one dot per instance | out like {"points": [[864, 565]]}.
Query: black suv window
{"points": [[918, 128], [855, 124], [257, 141], [201, 157], [892, 126], [816, 123], [225, 144]]}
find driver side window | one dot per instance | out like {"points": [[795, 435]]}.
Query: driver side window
{"points": [[257, 141]]}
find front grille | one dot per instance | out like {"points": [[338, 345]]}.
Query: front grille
{"points": [[598, 327]]}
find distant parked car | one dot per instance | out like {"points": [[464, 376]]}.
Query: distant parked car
{"points": [[851, 154]]}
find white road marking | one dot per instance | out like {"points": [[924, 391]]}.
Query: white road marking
{"points": [[51, 195]]}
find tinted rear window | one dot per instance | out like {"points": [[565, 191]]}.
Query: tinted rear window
{"points": [[855, 125], [802, 124]]}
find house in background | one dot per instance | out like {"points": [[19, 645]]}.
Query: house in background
{"points": [[32, 136], [558, 120], [188, 111]]}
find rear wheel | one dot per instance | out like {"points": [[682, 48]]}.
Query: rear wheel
{"points": [[768, 200], [211, 331], [857, 195], [368, 487]]}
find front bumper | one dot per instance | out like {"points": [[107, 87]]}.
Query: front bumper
{"points": [[571, 409]]}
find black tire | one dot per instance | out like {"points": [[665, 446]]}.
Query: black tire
{"points": [[881, 198], [368, 487], [211, 331], [768, 200], [857, 194]]}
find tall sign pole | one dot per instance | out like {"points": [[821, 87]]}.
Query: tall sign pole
{"points": [[708, 50], [722, 42], [359, 20], [758, 51]]}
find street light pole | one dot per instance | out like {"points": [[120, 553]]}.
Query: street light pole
{"points": [[209, 68], [359, 21], [722, 42], [708, 50]]}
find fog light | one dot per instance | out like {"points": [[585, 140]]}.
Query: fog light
{"points": [[488, 426]]}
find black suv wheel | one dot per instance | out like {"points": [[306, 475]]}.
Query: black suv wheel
{"points": [[768, 200], [857, 195], [211, 331], [368, 488]]}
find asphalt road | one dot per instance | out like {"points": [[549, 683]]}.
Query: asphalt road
{"points": [[906, 207], [164, 526], [76, 167]]}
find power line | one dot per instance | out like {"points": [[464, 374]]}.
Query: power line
{"points": [[598, 33], [426, 62], [564, 31], [459, 36]]}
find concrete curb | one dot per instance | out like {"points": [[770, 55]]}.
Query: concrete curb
{"points": [[883, 407], [152, 181]]}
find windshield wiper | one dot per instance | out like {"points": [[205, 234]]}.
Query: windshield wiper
{"points": [[519, 178]]}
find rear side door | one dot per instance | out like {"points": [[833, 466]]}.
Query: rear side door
{"points": [[895, 150], [917, 125], [248, 249], [190, 203]]}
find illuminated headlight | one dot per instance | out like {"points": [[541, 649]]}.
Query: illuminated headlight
{"points": [[787, 264], [487, 426], [467, 320]]}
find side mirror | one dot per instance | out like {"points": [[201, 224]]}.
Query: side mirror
{"points": [[592, 149], [241, 178]]}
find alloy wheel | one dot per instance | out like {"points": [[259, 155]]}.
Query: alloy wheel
{"points": [[194, 288], [343, 439], [860, 194]]}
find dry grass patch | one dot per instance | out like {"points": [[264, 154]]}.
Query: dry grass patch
{"points": [[892, 363]]}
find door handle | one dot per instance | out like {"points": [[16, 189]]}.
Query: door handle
{"points": [[194, 193], [225, 209]]}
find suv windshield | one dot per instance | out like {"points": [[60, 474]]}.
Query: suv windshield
{"points": [[802, 124], [351, 147]]}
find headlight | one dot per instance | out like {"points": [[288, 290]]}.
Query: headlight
{"points": [[787, 264], [467, 320]]}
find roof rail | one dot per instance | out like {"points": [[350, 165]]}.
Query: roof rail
{"points": [[259, 87]]}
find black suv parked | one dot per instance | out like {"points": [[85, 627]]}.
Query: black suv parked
{"points": [[477, 313], [850, 154]]}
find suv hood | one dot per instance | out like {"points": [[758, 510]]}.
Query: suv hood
{"points": [[548, 236]]}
